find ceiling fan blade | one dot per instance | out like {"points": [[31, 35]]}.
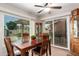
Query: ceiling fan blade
{"points": [[46, 4], [38, 6], [40, 11], [56, 7]]}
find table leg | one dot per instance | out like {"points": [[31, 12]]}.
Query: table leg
{"points": [[49, 48]]}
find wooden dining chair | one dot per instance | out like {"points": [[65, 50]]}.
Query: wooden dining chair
{"points": [[9, 47], [42, 49], [25, 37]]}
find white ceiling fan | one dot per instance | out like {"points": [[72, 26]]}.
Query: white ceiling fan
{"points": [[47, 5]]}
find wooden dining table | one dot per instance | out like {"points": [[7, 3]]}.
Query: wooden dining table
{"points": [[23, 47]]}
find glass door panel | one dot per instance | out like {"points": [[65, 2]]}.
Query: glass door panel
{"points": [[60, 38]]}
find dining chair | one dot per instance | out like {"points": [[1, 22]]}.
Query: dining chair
{"points": [[25, 37], [9, 46], [10, 49], [44, 36], [42, 49]]}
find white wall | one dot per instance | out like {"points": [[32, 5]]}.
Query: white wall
{"points": [[2, 46], [56, 16]]}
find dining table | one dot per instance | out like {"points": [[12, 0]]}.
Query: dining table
{"points": [[26, 46]]}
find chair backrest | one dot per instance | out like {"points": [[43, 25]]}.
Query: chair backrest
{"points": [[25, 37], [44, 36], [9, 46], [44, 47]]}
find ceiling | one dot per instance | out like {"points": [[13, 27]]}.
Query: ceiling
{"points": [[31, 9]]}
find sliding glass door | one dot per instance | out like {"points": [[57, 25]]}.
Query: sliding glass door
{"points": [[60, 37], [57, 32]]}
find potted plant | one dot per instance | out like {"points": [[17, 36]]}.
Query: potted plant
{"points": [[33, 37]]}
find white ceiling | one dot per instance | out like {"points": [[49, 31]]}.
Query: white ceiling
{"points": [[31, 9]]}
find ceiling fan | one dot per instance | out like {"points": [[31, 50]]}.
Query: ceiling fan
{"points": [[47, 5]]}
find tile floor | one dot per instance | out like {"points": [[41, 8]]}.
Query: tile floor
{"points": [[58, 52]]}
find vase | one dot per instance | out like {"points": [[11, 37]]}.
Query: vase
{"points": [[33, 41]]}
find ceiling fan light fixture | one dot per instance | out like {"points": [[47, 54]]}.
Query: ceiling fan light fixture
{"points": [[47, 9]]}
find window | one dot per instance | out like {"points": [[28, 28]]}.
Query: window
{"points": [[14, 27]]}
